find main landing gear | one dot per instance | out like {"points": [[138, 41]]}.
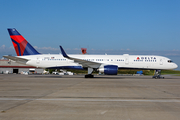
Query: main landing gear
{"points": [[89, 75], [157, 74]]}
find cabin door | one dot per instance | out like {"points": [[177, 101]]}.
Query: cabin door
{"points": [[37, 61], [161, 61], [127, 60]]}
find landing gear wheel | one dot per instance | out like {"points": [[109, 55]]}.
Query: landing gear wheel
{"points": [[89, 76], [157, 74]]}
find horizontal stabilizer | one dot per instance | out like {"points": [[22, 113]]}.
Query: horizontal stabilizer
{"points": [[17, 59]]}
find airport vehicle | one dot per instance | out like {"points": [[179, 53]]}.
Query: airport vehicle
{"points": [[107, 64]]}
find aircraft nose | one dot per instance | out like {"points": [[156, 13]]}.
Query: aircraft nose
{"points": [[175, 66]]}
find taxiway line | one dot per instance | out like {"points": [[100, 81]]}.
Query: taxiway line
{"points": [[92, 100]]}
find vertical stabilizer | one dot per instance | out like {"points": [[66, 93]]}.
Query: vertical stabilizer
{"points": [[21, 46]]}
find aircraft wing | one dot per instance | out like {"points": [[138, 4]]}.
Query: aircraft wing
{"points": [[17, 59], [84, 63]]}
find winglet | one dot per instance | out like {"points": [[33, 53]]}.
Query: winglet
{"points": [[63, 52]]}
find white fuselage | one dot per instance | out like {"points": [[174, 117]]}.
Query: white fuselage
{"points": [[122, 61]]}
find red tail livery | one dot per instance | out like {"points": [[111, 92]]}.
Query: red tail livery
{"points": [[21, 46]]}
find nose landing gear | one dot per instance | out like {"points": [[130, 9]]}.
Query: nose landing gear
{"points": [[157, 74]]}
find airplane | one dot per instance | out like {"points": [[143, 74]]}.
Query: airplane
{"points": [[107, 64]]}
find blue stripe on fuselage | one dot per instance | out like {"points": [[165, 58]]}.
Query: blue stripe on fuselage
{"points": [[67, 67]]}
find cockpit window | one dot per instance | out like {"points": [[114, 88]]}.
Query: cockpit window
{"points": [[170, 61]]}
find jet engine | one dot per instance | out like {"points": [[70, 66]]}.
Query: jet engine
{"points": [[108, 69]]}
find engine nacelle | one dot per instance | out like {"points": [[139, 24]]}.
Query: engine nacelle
{"points": [[109, 69]]}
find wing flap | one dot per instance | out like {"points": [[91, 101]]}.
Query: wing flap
{"points": [[86, 63]]}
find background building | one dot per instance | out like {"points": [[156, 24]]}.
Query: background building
{"points": [[7, 66]]}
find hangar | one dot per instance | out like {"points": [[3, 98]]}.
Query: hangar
{"points": [[7, 66]]}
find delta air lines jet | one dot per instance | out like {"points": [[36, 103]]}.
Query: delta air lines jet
{"points": [[107, 64]]}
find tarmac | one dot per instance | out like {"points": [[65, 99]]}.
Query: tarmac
{"points": [[54, 97]]}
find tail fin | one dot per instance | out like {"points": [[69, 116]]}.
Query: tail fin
{"points": [[21, 46]]}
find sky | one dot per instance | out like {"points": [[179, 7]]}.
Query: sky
{"points": [[131, 25]]}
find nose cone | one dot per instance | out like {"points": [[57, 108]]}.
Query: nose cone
{"points": [[175, 66]]}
